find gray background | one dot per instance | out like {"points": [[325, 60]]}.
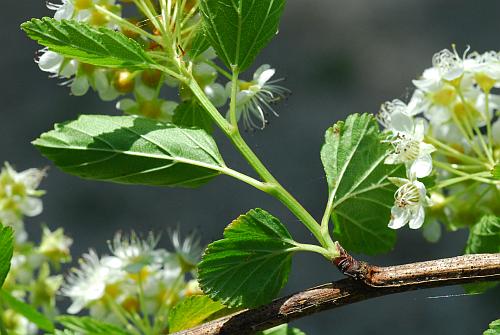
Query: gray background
{"points": [[339, 57]]}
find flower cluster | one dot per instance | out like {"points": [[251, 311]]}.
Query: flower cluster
{"points": [[138, 282], [19, 197], [452, 115], [139, 92], [31, 278]]}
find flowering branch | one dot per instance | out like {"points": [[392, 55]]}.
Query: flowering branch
{"points": [[366, 282]]}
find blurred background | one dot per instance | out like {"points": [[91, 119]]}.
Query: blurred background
{"points": [[338, 57]]}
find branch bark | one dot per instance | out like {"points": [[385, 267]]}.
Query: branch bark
{"points": [[366, 282]]}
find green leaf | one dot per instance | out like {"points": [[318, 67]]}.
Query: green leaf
{"points": [[496, 172], [191, 312], [494, 328], [239, 29], [484, 237], [199, 44], [191, 114], [250, 265], [353, 157], [6, 251], [90, 326], [282, 330], [96, 46], [27, 311], [132, 150]]}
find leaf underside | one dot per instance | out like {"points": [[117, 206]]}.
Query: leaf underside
{"points": [[353, 157], [250, 265], [239, 29], [97, 46], [190, 114], [132, 150]]}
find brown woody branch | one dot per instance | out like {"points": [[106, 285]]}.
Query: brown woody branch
{"points": [[366, 282]]}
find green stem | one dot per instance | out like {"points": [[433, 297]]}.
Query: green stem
{"points": [[219, 69], [467, 128], [272, 186], [314, 248], [325, 221], [126, 24], [122, 317], [244, 178], [464, 176], [487, 113], [234, 92], [449, 151]]}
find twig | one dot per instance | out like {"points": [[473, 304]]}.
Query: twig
{"points": [[366, 282]]}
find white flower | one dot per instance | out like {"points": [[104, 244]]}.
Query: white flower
{"points": [[410, 200], [56, 64], [254, 98], [134, 252], [84, 11], [188, 251], [55, 245], [88, 283], [407, 139], [216, 93], [147, 104], [19, 195]]}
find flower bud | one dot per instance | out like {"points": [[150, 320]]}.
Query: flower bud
{"points": [[123, 81]]}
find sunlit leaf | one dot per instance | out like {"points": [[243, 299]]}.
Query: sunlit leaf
{"points": [[132, 150], [250, 265]]}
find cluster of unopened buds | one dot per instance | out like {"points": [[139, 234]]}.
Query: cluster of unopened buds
{"points": [[139, 92], [449, 132]]}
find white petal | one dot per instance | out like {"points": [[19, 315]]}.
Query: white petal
{"points": [[217, 94], [398, 181], [144, 92], [399, 217], [419, 131], [418, 220], [259, 72], [109, 95], [244, 97], [167, 109], [392, 159], [31, 206], [265, 76], [31, 178], [76, 306], [65, 12], [426, 148], [401, 122], [100, 81], [80, 86], [50, 62], [126, 104], [69, 68], [422, 166]]}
